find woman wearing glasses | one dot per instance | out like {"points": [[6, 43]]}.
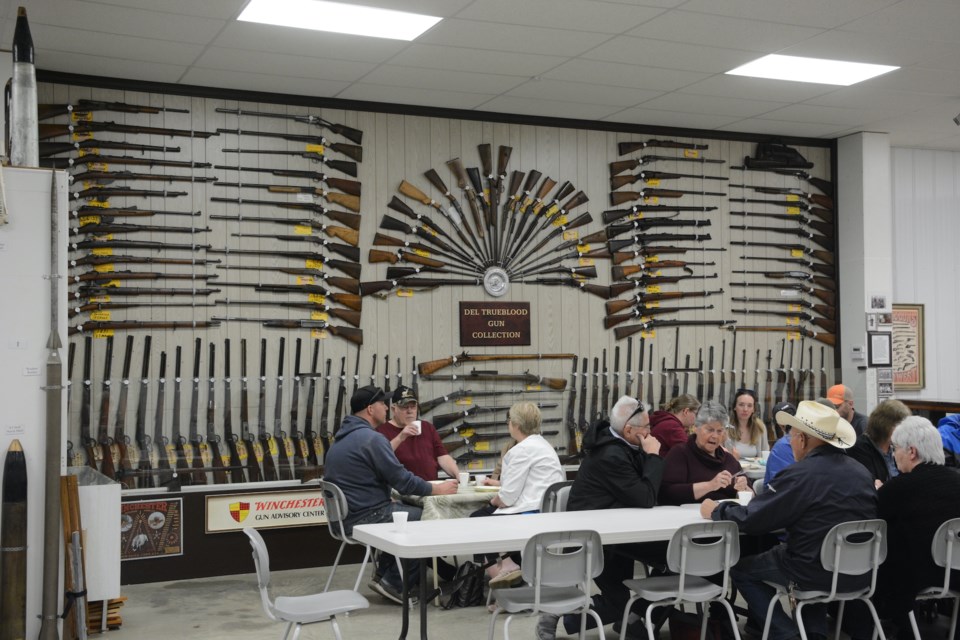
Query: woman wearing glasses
{"points": [[747, 436]]}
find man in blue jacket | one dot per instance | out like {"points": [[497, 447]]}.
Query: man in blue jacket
{"points": [[362, 463]]}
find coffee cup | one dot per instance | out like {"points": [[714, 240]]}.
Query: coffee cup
{"points": [[400, 520], [481, 479], [745, 497], [464, 479], [418, 426]]}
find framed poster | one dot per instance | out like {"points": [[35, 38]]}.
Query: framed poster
{"points": [[908, 347], [151, 529], [878, 349]]}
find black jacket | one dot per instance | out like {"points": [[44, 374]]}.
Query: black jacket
{"points": [[613, 475], [869, 456]]}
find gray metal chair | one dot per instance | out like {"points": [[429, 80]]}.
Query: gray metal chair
{"points": [[695, 551], [850, 548], [947, 556], [559, 566], [337, 510], [297, 611], [556, 496]]}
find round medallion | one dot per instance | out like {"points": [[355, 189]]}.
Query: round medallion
{"points": [[496, 282]]}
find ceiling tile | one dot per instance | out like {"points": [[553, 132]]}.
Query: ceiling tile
{"points": [[465, 82], [578, 15], [937, 82], [831, 115], [269, 63], [579, 91], [441, 8], [107, 45], [757, 88], [508, 37], [110, 67], [921, 19], [411, 95], [548, 108], [654, 117], [670, 55], [263, 37], [864, 47], [222, 9], [827, 14], [690, 103], [268, 82], [429, 56], [861, 97], [719, 31], [783, 128], [624, 75]]}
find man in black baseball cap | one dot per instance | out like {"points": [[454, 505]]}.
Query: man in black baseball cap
{"points": [[416, 442], [362, 463]]}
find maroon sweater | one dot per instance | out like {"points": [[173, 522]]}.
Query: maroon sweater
{"points": [[687, 464], [667, 428]]}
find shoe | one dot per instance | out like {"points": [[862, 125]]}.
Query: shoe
{"points": [[386, 590], [547, 627], [506, 578]]}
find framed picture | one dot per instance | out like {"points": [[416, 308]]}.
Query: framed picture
{"points": [[908, 347], [878, 349]]}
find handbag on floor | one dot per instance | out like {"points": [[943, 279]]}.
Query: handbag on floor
{"points": [[467, 587]]}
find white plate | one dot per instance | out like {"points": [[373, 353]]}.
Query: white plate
{"points": [[486, 489]]}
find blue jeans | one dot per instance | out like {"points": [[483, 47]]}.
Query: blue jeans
{"points": [[749, 576], [387, 564]]}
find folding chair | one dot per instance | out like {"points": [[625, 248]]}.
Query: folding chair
{"points": [[850, 548], [946, 556], [297, 611], [337, 510], [556, 496], [695, 550], [559, 566]]}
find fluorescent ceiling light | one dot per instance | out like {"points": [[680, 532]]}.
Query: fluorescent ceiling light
{"points": [[817, 70], [339, 18]]}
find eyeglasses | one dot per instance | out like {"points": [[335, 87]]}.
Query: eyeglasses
{"points": [[641, 408]]}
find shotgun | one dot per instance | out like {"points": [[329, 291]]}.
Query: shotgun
{"points": [[86, 402], [254, 452], [554, 384], [193, 446], [346, 200], [144, 468], [300, 450], [284, 444], [628, 385], [176, 437], [823, 269], [826, 296], [53, 148], [350, 133], [268, 446], [351, 220], [624, 148], [620, 166], [654, 177], [352, 151], [344, 166], [210, 450], [46, 111], [574, 435], [823, 323], [826, 283], [710, 374], [161, 443], [321, 444], [47, 131], [604, 386], [822, 241], [107, 465], [432, 366], [621, 197]]}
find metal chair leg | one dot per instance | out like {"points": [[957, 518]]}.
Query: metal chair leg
{"points": [[876, 618], [363, 565], [803, 631], [733, 618], [333, 569], [766, 624], [840, 619], [336, 628]]}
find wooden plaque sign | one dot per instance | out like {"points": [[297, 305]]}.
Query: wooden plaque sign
{"points": [[494, 324]]}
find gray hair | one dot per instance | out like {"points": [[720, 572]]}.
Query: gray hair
{"points": [[919, 433], [712, 411], [621, 412]]}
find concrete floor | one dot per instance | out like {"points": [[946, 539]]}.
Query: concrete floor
{"points": [[229, 609]]}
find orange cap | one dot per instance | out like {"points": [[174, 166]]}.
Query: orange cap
{"points": [[835, 394]]}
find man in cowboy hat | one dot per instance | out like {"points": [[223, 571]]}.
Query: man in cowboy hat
{"points": [[807, 499]]}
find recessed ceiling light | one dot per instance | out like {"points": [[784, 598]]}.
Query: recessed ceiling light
{"points": [[819, 70], [339, 18]]}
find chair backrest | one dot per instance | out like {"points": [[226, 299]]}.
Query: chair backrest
{"points": [[704, 549], [335, 504], [556, 496], [854, 548], [261, 560], [562, 559], [945, 553], [758, 486]]}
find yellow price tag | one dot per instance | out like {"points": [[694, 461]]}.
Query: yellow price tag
{"points": [[475, 465], [103, 268], [98, 166], [429, 230], [794, 211], [560, 221], [481, 446], [422, 253], [314, 264], [651, 259], [653, 182], [636, 216], [792, 197], [587, 262], [85, 220], [464, 402], [654, 288], [648, 334], [111, 283], [103, 333], [303, 230], [583, 248], [305, 280], [551, 211], [100, 204], [81, 116], [320, 315], [317, 298], [572, 234], [792, 320], [319, 334], [80, 137], [100, 316], [466, 433], [314, 148], [99, 299], [691, 153], [793, 335], [652, 305], [796, 253], [644, 319], [794, 307], [652, 200], [404, 293], [533, 387]]}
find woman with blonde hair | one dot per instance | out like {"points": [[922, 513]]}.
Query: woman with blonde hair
{"points": [[672, 425], [747, 436]]}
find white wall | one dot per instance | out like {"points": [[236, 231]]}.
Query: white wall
{"points": [[926, 230]]}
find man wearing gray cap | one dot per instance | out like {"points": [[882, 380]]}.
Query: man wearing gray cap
{"points": [[416, 442], [362, 463]]}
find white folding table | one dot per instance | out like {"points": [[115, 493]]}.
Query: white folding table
{"points": [[427, 539]]}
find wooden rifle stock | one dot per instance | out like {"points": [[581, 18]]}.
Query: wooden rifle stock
{"points": [[46, 111], [615, 306], [107, 466], [432, 366], [254, 452], [826, 338], [620, 197], [46, 131], [624, 148], [641, 311]]}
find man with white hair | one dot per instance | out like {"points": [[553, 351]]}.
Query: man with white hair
{"points": [[914, 504], [621, 468], [807, 499]]}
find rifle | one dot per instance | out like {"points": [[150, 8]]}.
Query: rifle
{"points": [[801, 375], [582, 421], [210, 450], [233, 442], [604, 387], [722, 392], [192, 450], [449, 418], [349, 333], [595, 397], [399, 373], [823, 374], [824, 201], [823, 241], [819, 183], [349, 168], [107, 465], [350, 268], [175, 450], [432, 366], [102, 194], [710, 374], [622, 272], [675, 390], [145, 479], [386, 373], [89, 444], [351, 134], [822, 309], [523, 205], [827, 296], [45, 111], [640, 300], [663, 382], [160, 442], [619, 257], [53, 148], [88, 327], [342, 390], [645, 281], [769, 418], [620, 197], [655, 177], [574, 435], [352, 151], [700, 376], [629, 372], [47, 131], [413, 376], [792, 204], [467, 429], [650, 376], [827, 283], [813, 391], [555, 215], [743, 372], [321, 443], [266, 443], [300, 447], [823, 269], [778, 393], [819, 254], [555, 384], [350, 285], [349, 300], [486, 439], [347, 251], [347, 200], [825, 228], [284, 445], [253, 449], [351, 220], [620, 166], [109, 213], [623, 148], [434, 178], [424, 232], [459, 173], [100, 159], [107, 177], [686, 376], [756, 377], [826, 338], [823, 323], [612, 215], [643, 344], [733, 371], [350, 236], [137, 244], [624, 331], [98, 276]]}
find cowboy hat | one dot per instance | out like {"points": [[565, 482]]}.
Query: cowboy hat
{"points": [[821, 422]]}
